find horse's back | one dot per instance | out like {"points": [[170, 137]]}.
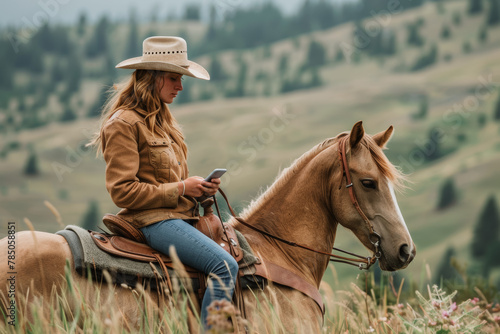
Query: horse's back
{"points": [[38, 262]]}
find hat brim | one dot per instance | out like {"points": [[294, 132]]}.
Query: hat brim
{"points": [[194, 70]]}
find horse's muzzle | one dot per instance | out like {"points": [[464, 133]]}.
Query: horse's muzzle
{"points": [[406, 255]]}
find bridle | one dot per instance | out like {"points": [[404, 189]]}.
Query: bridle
{"points": [[374, 237], [359, 261]]}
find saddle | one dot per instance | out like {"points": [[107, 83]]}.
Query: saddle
{"points": [[127, 241]]}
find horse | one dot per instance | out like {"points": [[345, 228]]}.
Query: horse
{"points": [[305, 205]]}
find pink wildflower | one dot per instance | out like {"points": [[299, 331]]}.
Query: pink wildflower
{"points": [[453, 307], [445, 314], [475, 300]]}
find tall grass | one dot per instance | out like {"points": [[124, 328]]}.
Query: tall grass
{"points": [[382, 308]]}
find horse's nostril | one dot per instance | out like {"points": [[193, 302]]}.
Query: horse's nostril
{"points": [[404, 253]]}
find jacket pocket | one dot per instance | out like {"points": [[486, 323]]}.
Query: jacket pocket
{"points": [[160, 157]]}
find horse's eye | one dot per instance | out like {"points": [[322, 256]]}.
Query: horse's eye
{"points": [[370, 184]]}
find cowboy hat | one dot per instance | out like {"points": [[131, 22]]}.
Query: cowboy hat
{"points": [[165, 53]]}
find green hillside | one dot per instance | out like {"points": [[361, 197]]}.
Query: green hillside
{"points": [[259, 134]]}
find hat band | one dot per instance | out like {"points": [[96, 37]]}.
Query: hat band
{"points": [[162, 52], [178, 58]]}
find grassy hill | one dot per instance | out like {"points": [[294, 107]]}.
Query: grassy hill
{"points": [[239, 133]]}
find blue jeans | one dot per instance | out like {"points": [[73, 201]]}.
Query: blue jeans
{"points": [[198, 251]]}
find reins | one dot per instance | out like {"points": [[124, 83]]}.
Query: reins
{"points": [[359, 261]]}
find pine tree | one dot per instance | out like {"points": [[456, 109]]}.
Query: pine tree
{"points": [[216, 70], [57, 73], [487, 228], [457, 18], [496, 112], [91, 218], [74, 74], [446, 271], [445, 32], [192, 12], [426, 59], [475, 6], [447, 194], [98, 44], [82, 24], [316, 55], [434, 140], [494, 12], [414, 37], [390, 41], [68, 114], [491, 259], [283, 65], [31, 168], [240, 88], [133, 44], [423, 108], [212, 24], [483, 34]]}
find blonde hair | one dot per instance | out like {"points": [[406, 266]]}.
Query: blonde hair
{"points": [[140, 93]]}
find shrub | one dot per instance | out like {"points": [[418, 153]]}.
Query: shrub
{"points": [[447, 194], [445, 32], [426, 59], [496, 111], [486, 229], [31, 168]]}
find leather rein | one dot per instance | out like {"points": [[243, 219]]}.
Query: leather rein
{"points": [[359, 261]]}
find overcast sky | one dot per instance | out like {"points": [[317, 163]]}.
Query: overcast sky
{"points": [[22, 13]]}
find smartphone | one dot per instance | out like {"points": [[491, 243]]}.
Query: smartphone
{"points": [[216, 173]]}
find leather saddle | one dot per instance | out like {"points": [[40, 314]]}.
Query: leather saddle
{"points": [[128, 242]]}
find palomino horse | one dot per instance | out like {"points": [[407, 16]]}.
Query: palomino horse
{"points": [[304, 205]]}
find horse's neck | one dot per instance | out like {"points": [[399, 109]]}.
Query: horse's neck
{"points": [[295, 212]]}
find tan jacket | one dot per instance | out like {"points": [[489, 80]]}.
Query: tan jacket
{"points": [[142, 172]]}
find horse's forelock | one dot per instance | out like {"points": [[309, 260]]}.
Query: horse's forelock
{"points": [[387, 169]]}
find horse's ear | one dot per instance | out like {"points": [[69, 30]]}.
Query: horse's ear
{"points": [[383, 137], [357, 133]]}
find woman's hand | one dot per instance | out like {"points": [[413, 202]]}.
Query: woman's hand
{"points": [[196, 186]]}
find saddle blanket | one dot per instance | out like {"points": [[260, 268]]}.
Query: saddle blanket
{"points": [[88, 258]]}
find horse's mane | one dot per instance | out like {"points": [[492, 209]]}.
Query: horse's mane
{"points": [[384, 165], [286, 174]]}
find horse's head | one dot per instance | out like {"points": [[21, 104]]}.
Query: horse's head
{"points": [[373, 180]]}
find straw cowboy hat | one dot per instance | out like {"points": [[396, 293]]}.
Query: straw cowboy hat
{"points": [[165, 53]]}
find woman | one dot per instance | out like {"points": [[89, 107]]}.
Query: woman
{"points": [[146, 168]]}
